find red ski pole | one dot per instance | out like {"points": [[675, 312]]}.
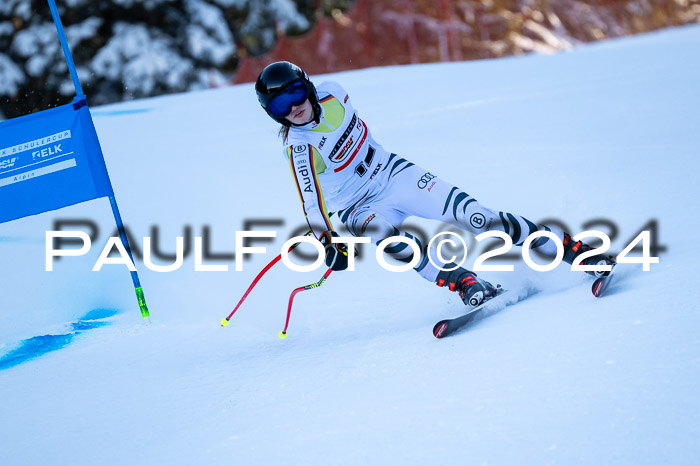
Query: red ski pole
{"points": [[283, 333], [225, 321]]}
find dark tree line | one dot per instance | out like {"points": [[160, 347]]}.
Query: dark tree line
{"points": [[127, 49]]}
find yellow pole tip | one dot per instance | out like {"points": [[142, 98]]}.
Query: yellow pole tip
{"points": [[283, 334], [224, 322]]}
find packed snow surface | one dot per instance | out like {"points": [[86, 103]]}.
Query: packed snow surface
{"points": [[604, 133]]}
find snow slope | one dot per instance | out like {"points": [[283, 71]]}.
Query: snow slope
{"points": [[608, 131]]}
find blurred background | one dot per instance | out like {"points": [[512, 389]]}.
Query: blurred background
{"points": [[129, 49]]}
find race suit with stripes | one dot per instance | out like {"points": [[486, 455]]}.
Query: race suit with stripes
{"points": [[339, 167]]}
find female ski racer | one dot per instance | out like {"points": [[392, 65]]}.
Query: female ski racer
{"points": [[339, 167]]}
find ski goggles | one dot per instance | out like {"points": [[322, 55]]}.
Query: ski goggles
{"points": [[281, 105]]}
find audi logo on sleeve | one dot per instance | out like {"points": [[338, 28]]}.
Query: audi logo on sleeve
{"points": [[425, 179]]}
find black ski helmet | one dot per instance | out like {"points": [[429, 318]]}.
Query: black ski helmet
{"points": [[275, 78]]}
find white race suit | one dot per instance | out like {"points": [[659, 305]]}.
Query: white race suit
{"points": [[339, 167]]}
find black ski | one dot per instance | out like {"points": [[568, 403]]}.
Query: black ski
{"points": [[601, 284], [449, 326]]}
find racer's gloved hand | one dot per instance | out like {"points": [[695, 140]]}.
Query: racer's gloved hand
{"points": [[336, 253]]}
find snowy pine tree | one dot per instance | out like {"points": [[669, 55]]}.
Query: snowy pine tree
{"points": [[127, 49]]}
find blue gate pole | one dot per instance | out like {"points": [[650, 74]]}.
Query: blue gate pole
{"points": [[112, 201], [66, 50], [134, 275]]}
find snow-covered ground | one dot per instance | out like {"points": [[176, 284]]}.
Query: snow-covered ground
{"points": [[608, 131]]}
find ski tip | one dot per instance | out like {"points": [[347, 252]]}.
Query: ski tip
{"points": [[439, 329], [598, 286]]}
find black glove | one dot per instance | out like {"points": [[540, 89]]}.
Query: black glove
{"points": [[336, 253]]}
